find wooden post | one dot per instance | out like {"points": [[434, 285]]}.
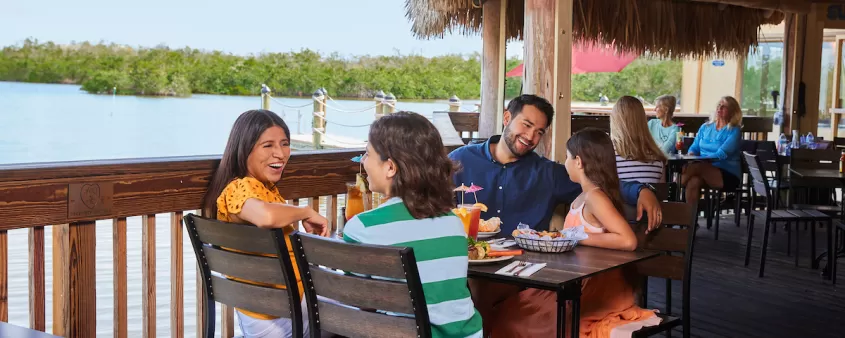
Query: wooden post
{"points": [[539, 36], [787, 77], [119, 277], [4, 276], [562, 124], [36, 279], [265, 97], [317, 123], [379, 99], [148, 275], [808, 70], [492, 66], [389, 106], [74, 283], [325, 109], [454, 104]]}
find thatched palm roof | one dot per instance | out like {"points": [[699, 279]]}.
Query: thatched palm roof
{"points": [[658, 27]]}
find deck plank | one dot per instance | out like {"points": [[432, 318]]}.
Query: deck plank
{"points": [[729, 300]]}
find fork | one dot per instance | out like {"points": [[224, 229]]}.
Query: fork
{"points": [[521, 264], [527, 265]]}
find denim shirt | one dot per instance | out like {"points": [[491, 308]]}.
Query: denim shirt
{"points": [[526, 191], [722, 144]]}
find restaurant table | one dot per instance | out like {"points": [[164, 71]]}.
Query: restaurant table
{"points": [[832, 174], [563, 274]]}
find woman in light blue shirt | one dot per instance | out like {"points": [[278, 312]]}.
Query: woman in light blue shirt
{"points": [[662, 129], [718, 138]]}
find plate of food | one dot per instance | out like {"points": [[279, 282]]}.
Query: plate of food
{"points": [[480, 253], [489, 228]]}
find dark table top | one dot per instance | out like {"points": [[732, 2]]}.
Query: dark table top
{"points": [[562, 268], [818, 173], [683, 158]]}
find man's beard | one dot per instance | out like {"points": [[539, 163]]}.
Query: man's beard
{"points": [[510, 141]]}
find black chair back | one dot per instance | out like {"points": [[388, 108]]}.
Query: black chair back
{"points": [[398, 290], [260, 261], [676, 238]]}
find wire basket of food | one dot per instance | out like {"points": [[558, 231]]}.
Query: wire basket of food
{"points": [[548, 241]]}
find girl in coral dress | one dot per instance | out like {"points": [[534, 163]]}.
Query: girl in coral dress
{"points": [[608, 308]]}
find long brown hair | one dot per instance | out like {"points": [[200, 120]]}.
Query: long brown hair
{"points": [[629, 132], [246, 131], [424, 171], [599, 162]]}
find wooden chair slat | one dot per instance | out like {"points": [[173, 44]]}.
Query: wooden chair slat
{"points": [[661, 191], [663, 239], [351, 322], [367, 260], [249, 267], [241, 237], [675, 213], [814, 159], [362, 292], [671, 267], [249, 297]]}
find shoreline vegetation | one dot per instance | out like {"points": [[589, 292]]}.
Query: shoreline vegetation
{"points": [[163, 71]]}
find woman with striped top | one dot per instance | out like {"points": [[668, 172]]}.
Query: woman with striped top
{"points": [[407, 162], [638, 158]]}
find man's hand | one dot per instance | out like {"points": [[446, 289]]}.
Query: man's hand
{"points": [[647, 202], [316, 224]]}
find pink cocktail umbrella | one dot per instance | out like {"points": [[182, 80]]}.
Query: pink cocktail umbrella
{"points": [[473, 189]]}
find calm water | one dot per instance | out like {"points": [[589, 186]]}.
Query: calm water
{"points": [[46, 123]]}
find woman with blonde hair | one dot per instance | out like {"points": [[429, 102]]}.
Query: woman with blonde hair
{"points": [[662, 129], [638, 158], [718, 138]]}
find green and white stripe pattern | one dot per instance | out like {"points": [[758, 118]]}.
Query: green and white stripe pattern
{"points": [[440, 247]]}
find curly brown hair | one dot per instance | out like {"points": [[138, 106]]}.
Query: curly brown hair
{"points": [[424, 172], [596, 151]]}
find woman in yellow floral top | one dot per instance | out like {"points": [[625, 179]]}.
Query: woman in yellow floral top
{"points": [[244, 190]]}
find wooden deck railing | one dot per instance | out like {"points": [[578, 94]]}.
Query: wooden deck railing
{"points": [[72, 196], [753, 127]]}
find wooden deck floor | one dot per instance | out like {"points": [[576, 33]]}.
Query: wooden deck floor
{"points": [[729, 300]]}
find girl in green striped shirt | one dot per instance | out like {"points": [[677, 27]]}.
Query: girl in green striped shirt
{"points": [[406, 161]]}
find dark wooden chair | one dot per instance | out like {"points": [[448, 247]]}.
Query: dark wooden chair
{"points": [[663, 191], [815, 194], [772, 214], [268, 262], [838, 243], [742, 195], [676, 238], [399, 291]]}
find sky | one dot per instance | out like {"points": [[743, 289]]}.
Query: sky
{"points": [[348, 27]]}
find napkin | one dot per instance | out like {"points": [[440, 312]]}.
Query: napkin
{"points": [[523, 273]]}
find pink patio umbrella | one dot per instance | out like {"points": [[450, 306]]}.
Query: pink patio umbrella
{"points": [[589, 59]]}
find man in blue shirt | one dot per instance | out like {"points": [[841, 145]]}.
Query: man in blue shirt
{"points": [[519, 185]]}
